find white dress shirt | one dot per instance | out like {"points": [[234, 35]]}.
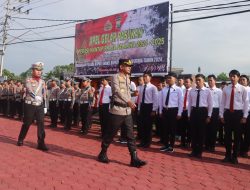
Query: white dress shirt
{"points": [[106, 96], [184, 92], [248, 92], [151, 96], [133, 88], [241, 101], [175, 98], [206, 100], [216, 95]]}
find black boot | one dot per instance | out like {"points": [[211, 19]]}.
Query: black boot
{"points": [[41, 146], [102, 157], [19, 143], [135, 161]]}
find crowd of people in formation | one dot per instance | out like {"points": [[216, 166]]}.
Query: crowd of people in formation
{"points": [[196, 113]]}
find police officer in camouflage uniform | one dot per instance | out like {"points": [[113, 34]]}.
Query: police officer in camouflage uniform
{"points": [[34, 106], [53, 102], [120, 114]]}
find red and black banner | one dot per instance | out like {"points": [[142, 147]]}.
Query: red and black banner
{"points": [[140, 35]]}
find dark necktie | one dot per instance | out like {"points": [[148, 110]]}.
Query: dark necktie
{"points": [[143, 93], [198, 99], [167, 98]]}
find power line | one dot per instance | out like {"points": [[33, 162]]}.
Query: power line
{"points": [[181, 5], [40, 40], [212, 16], [47, 26], [45, 19], [215, 5], [214, 8]]}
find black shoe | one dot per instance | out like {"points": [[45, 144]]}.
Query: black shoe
{"points": [[135, 161], [102, 157], [141, 145], [226, 159], [170, 149], [192, 154], [234, 160], [199, 156], [84, 132], [243, 154], [163, 148], [42, 146], [146, 145], [19, 143]]}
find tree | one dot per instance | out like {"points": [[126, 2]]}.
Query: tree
{"points": [[59, 70], [25, 74], [10, 75], [222, 77]]}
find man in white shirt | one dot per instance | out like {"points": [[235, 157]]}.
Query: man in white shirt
{"points": [[105, 94], [185, 127], [138, 119], [212, 127], [245, 137], [148, 105], [233, 112], [181, 83], [170, 108], [200, 107]]}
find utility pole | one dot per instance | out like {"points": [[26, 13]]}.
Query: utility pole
{"points": [[5, 28], [5, 24], [171, 38]]}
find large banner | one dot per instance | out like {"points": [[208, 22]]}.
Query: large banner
{"points": [[140, 34]]}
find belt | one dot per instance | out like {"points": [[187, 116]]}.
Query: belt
{"points": [[121, 105], [199, 108], [233, 110], [52, 100], [33, 103], [67, 100], [84, 102], [170, 108]]}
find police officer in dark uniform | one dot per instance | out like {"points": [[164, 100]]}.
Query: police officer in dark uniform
{"points": [[34, 106], [12, 106], [61, 97], [5, 98], [76, 108], [86, 101], [19, 91], [68, 103], [120, 114]]}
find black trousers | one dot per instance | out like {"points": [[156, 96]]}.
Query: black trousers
{"points": [[5, 107], [19, 108], [170, 123], [232, 127], [245, 136], [32, 113], [12, 107], [221, 133], [159, 126], [86, 116], [61, 111], [68, 111], [211, 129], [76, 113], [198, 127], [147, 123], [185, 128], [116, 122], [104, 117], [1, 106], [53, 110]]}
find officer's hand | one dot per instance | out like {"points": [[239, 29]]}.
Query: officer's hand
{"points": [[222, 120], [136, 93], [131, 105], [178, 117], [208, 120], [243, 120]]}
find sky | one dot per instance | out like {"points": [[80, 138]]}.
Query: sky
{"points": [[215, 45]]}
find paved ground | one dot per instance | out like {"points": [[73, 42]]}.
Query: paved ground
{"points": [[71, 164]]}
